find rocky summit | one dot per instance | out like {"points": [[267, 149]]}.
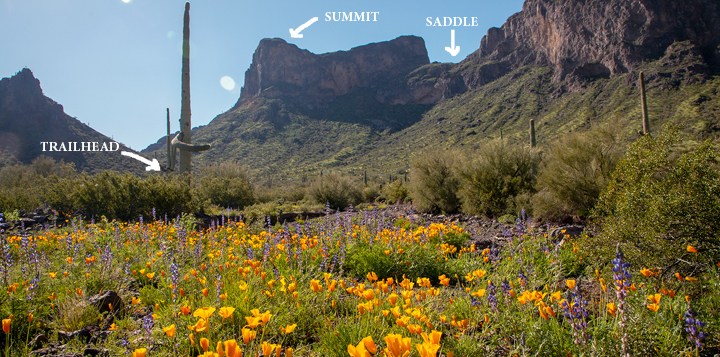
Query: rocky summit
{"points": [[280, 69]]}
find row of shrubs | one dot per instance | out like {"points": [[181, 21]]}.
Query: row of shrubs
{"points": [[503, 179], [495, 180], [57, 186]]}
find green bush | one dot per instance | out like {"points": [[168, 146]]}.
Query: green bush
{"points": [[282, 191], [655, 206], [371, 193], [574, 172], [336, 190], [415, 261], [123, 196], [24, 187], [434, 182], [395, 192], [225, 185], [492, 181]]}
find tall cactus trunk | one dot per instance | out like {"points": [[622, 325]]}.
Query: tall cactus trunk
{"points": [[185, 124], [168, 144], [646, 120], [532, 133]]}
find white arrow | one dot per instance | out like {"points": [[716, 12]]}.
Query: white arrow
{"points": [[453, 50], [296, 33], [154, 165]]}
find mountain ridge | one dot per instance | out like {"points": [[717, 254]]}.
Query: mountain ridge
{"points": [[560, 62], [28, 118]]}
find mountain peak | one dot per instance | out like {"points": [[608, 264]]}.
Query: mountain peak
{"points": [[282, 69], [23, 83]]}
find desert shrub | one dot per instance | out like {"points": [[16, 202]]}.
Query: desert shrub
{"points": [[24, 187], [434, 182], [574, 172], [282, 191], [225, 185], [495, 177], [395, 192], [655, 206], [124, 196], [371, 193], [338, 191], [44, 166]]}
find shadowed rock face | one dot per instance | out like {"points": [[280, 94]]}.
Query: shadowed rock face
{"points": [[582, 39], [282, 69]]}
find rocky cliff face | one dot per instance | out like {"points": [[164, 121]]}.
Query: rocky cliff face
{"points": [[282, 69], [581, 39]]}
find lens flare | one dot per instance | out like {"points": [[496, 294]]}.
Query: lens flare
{"points": [[126, 1], [227, 83]]}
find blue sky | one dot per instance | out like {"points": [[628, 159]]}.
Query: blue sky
{"points": [[115, 64]]}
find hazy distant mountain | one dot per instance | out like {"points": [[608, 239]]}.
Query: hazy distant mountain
{"points": [[28, 118]]}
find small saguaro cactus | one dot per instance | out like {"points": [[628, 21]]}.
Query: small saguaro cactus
{"points": [[643, 100], [532, 133]]}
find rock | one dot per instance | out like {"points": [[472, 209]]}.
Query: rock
{"points": [[582, 40], [44, 351], [65, 336], [282, 69], [38, 341], [25, 222], [572, 231], [107, 298], [95, 352], [87, 334]]}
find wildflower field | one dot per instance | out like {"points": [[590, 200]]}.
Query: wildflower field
{"points": [[351, 284]]}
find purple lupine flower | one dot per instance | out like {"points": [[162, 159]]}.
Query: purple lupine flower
{"points": [[622, 283], [31, 287], [505, 286], [695, 336], [492, 296], [218, 289], [147, 324], [174, 277]]}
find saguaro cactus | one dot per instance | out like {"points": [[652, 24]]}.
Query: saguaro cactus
{"points": [[646, 120], [183, 140], [532, 133], [185, 124]]}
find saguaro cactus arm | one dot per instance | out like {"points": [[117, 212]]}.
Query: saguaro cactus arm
{"points": [[177, 143]]}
